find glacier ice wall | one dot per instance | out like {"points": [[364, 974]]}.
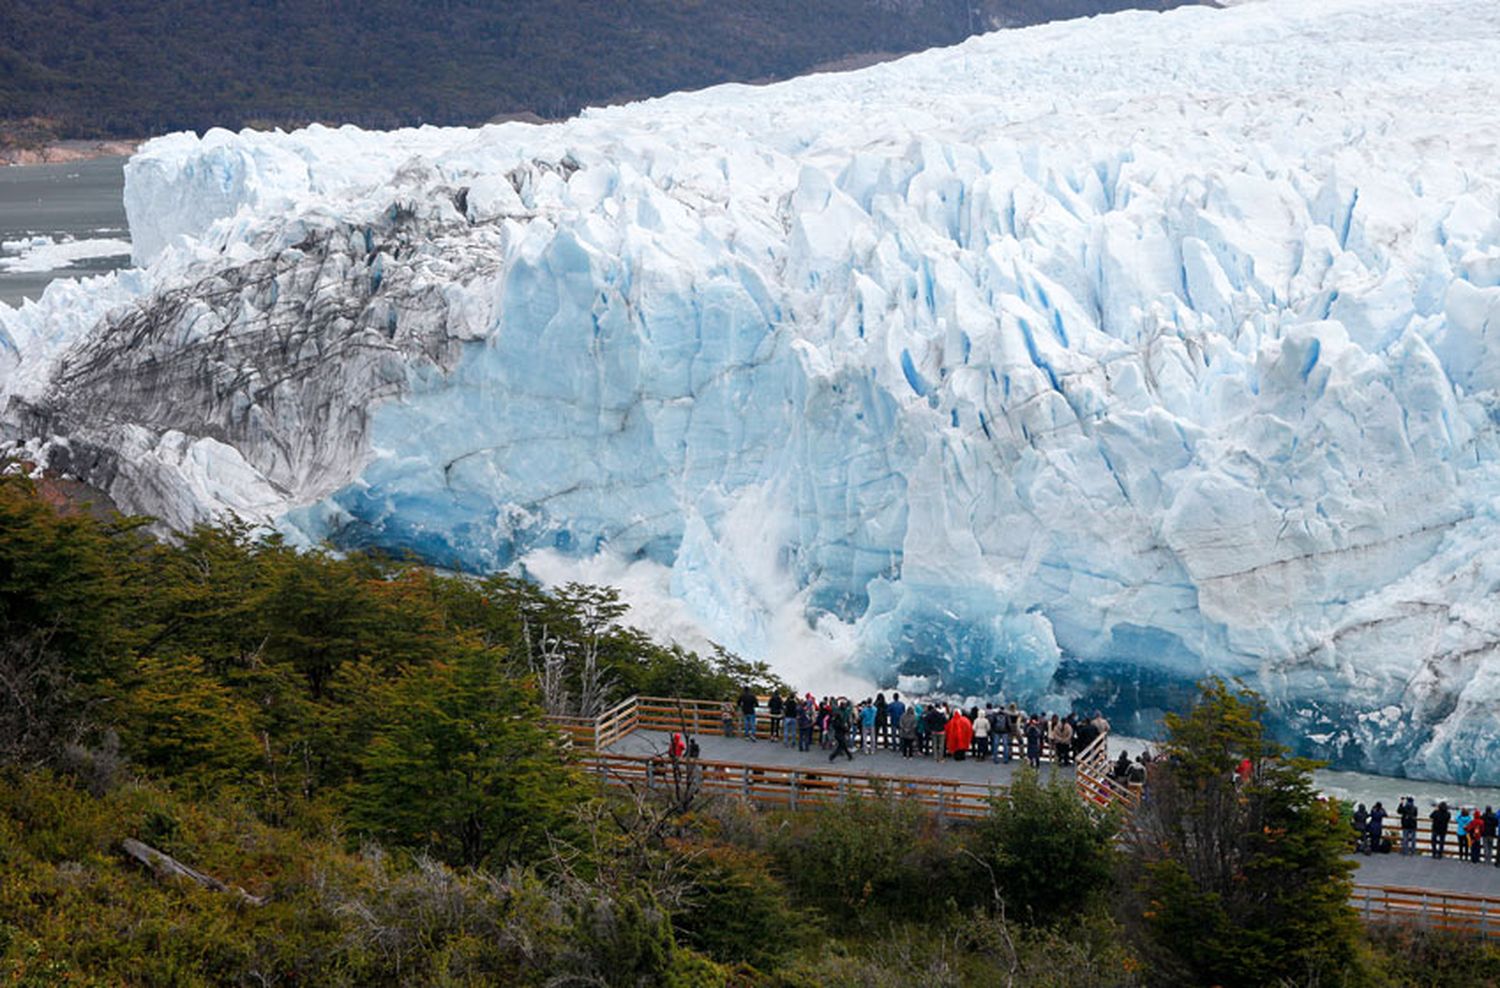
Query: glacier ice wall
{"points": [[1069, 363]]}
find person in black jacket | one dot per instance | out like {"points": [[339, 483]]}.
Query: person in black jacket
{"points": [[841, 736], [747, 706], [882, 722], [936, 720], [1439, 818], [1491, 826], [1377, 828], [1408, 813], [775, 707]]}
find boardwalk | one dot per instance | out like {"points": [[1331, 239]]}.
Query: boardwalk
{"points": [[772, 754], [1447, 875], [627, 745]]}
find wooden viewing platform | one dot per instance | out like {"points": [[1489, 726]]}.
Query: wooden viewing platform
{"points": [[627, 745]]}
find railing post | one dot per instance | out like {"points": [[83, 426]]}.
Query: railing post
{"points": [[745, 785], [650, 774], [942, 803], [795, 776]]}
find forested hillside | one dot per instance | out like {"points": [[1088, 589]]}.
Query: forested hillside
{"points": [[225, 762], [140, 67]]}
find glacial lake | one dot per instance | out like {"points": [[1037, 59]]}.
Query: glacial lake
{"points": [[60, 221]]}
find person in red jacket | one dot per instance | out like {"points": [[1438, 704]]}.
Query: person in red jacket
{"points": [[960, 734]]}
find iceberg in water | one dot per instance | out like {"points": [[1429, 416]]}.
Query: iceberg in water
{"points": [[1072, 363]]}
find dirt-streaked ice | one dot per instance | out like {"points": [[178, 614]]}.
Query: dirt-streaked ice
{"points": [[1077, 361]]}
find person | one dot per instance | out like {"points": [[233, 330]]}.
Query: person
{"points": [[726, 714], [907, 727], [1064, 741], [774, 708], [1084, 735], [1439, 818], [805, 714], [1408, 813], [789, 720], [1461, 832], [999, 735], [868, 729], [1121, 771], [693, 750], [678, 747], [1361, 828], [895, 711], [1034, 742], [1100, 724], [982, 733], [882, 721], [748, 705], [959, 735], [937, 721], [1246, 768], [1374, 844], [1476, 835], [840, 726], [1491, 825]]}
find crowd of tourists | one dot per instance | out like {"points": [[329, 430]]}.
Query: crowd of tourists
{"points": [[913, 728], [1473, 831]]}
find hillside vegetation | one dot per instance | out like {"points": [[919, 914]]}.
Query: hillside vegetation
{"points": [[91, 68], [351, 753]]}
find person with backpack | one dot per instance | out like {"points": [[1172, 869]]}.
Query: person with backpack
{"points": [[789, 720], [1439, 818], [1373, 844], [1361, 822], [999, 735], [1408, 813], [805, 713], [774, 708], [840, 729], [1476, 835]]}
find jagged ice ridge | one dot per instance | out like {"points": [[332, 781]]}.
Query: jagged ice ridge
{"points": [[1068, 364]]}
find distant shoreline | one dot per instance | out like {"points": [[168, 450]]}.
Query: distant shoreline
{"points": [[63, 152]]}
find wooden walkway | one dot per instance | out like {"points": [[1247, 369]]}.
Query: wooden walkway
{"points": [[627, 745]]}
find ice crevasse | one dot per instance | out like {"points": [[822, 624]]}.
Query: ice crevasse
{"points": [[1070, 364]]}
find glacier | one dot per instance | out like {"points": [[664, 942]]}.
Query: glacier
{"points": [[1070, 364]]}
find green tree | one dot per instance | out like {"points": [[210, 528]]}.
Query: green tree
{"points": [[1045, 847], [464, 765], [1237, 881], [179, 721]]}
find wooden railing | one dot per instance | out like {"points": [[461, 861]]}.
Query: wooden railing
{"points": [[1460, 912], [1092, 780], [791, 788]]}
